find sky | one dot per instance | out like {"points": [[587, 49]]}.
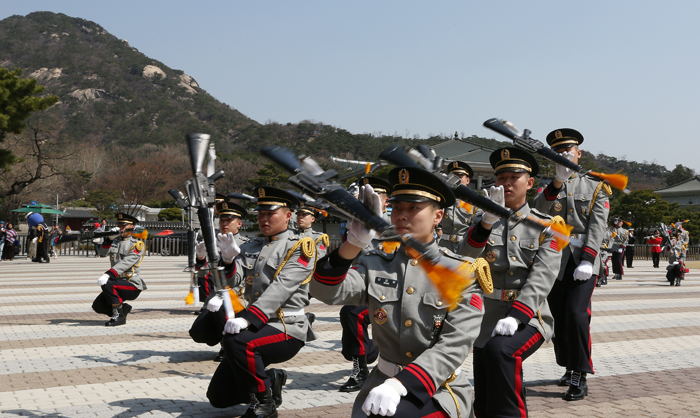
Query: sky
{"points": [[623, 73]]}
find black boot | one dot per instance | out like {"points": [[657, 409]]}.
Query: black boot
{"points": [[278, 378], [358, 376], [250, 412], [678, 281], [565, 380], [578, 389], [266, 408], [118, 317], [605, 280], [219, 357], [127, 309]]}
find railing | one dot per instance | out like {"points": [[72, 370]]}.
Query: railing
{"points": [[643, 252]]}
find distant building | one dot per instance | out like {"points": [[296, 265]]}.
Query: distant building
{"points": [[685, 193]]}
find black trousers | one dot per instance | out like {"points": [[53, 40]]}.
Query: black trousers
{"points": [[114, 292], [409, 409], [208, 328], [655, 259], [248, 353], [42, 251], [206, 285], [629, 255], [356, 342], [570, 303], [617, 262], [499, 390]]}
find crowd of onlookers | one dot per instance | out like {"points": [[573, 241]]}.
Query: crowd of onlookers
{"points": [[9, 242]]}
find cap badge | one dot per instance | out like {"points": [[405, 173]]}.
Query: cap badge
{"points": [[365, 181], [224, 206], [558, 135], [455, 165], [261, 192], [505, 154], [121, 216], [403, 176]]}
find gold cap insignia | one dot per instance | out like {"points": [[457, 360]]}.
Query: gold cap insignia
{"points": [[558, 135], [224, 206], [261, 192], [403, 176], [455, 165], [121, 216], [365, 181], [505, 154]]}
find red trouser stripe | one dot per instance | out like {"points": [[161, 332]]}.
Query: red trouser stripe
{"points": [[250, 355], [115, 287], [590, 353], [519, 372], [439, 414], [361, 330]]}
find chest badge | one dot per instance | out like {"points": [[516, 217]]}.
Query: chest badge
{"points": [[558, 206], [380, 316], [249, 280], [490, 256], [437, 323]]}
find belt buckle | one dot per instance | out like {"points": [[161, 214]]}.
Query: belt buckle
{"points": [[454, 238], [509, 295]]}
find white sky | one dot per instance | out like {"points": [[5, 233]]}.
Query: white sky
{"points": [[624, 73]]}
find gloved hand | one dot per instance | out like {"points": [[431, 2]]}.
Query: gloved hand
{"points": [[201, 250], [564, 173], [583, 271], [114, 229], [214, 304], [497, 196], [384, 399], [228, 246], [235, 325], [359, 235], [102, 280], [505, 326], [619, 250]]}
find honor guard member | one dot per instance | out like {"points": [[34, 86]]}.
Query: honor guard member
{"points": [[604, 256], [421, 343], [121, 282], [676, 266], [685, 239], [583, 203], [458, 217], [306, 216], [524, 264], [619, 239], [209, 326], [274, 269], [655, 243]]}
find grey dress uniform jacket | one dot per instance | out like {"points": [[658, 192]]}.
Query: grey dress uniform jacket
{"points": [[455, 224], [619, 240], [523, 272], [268, 296], [411, 326], [574, 202], [125, 255]]}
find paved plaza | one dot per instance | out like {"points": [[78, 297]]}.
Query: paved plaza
{"points": [[58, 360]]}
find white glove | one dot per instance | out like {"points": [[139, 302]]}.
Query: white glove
{"points": [[114, 229], [505, 326], [359, 235], [583, 271], [102, 280], [619, 250], [497, 196], [564, 173], [228, 246], [201, 250], [235, 325], [214, 304], [384, 399]]}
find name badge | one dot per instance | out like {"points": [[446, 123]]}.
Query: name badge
{"points": [[385, 281]]}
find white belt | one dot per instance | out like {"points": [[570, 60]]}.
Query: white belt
{"points": [[501, 294], [391, 369], [577, 240], [292, 312]]}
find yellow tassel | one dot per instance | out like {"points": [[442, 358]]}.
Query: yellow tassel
{"points": [[235, 302], [189, 299], [466, 206]]}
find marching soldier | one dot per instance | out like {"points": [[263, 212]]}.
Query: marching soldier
{"points": [[354, 320], [584, 204], [274, 269], [618, 248], [121, 282], [685, 239], [676, 265], [422, 345], [458, 217], [604, 256], [209, 326], [524, 264], [306, 216]]}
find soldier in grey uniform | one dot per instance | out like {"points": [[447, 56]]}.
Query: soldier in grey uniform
{"points": [[604, 256], [458, 217], [524, 265], [422, 345], [685, 239], [122, 281], [619, 238], [583, 203], [306, 216], [274, 269]]}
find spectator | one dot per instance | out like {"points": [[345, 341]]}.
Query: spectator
{"points": [[2, 235], [10, 238], [97, 242]]}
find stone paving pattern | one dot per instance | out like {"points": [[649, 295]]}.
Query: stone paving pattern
{"points": [[58, 360]]}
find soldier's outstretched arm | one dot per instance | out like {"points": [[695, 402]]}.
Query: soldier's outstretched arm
{"points": [[544, 201], [475, 239], [335, 283]]}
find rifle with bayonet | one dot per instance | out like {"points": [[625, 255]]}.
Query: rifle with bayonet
{"points": [[524, 141], [397, 155]]}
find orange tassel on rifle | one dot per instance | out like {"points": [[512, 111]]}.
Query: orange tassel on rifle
{"points": [[368, 168], [466, 206], [618, 181], [235, 302], [189, 299]]}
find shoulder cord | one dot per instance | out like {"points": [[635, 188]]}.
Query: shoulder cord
{"points": [[449, 380], [326, 241], [602, 185], [308, 249], [143, 253], [481, 269]]}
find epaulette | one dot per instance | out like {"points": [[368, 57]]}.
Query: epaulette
{"points": [[540, 214], [449, 254], [382, 254]]}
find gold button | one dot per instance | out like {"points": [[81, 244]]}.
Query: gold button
{"points": [[257, 274], [439, 303], [257, 293], [571, 211], [511, 273], [513, 258], [513, 238], [571, 194], [410, 290], [414, 262], [573, 176], [493, 242], [532, 246], [408, 323], [250, 266], [518, 213], [382, 297], [569, 181], [261, 258], [409, 354]]}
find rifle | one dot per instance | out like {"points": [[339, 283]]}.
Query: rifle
{"points": [[522, 140], [450, 281], [397, 155], [203, 198]]}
